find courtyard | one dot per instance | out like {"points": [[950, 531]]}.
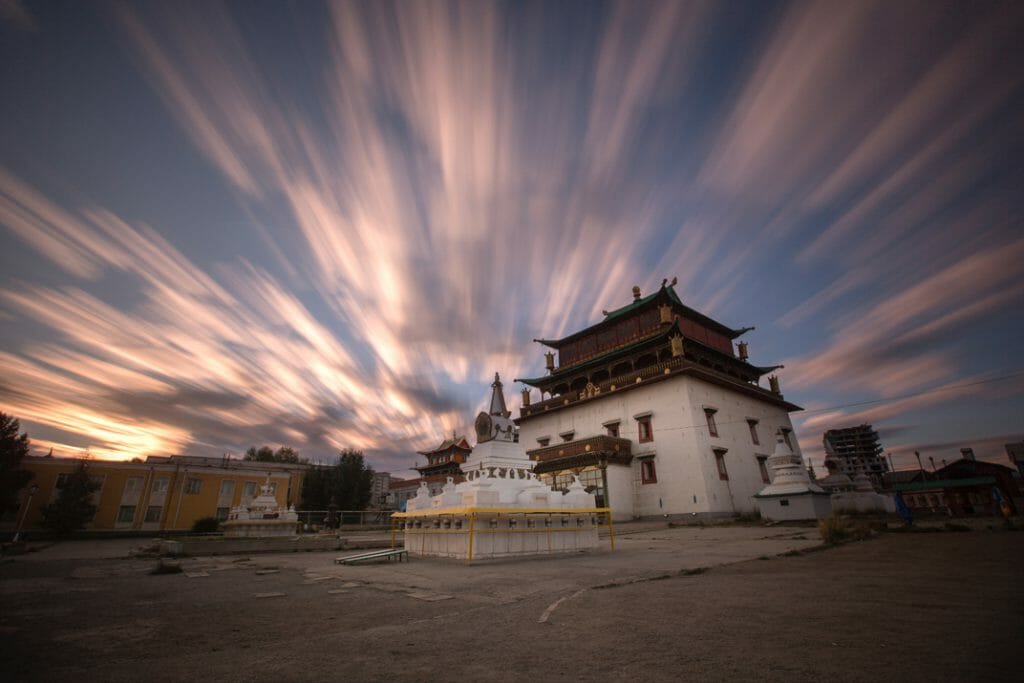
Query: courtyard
{"points": [[668, 604]]}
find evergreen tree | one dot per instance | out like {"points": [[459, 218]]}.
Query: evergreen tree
{"points": [[348, 483], [268, 454], [13, 448], [74, 506]]}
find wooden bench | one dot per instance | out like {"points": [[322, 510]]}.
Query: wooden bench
{"points": [[389, 554]]}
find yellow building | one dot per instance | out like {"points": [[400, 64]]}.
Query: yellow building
{"points": [[161, 493]]}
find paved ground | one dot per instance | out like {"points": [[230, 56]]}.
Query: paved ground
{"points": [[941, 606]]}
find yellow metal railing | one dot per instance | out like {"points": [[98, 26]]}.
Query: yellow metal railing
{"points": [[472, 514]]}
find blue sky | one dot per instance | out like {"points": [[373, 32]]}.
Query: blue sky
{"points": [[327, 226]]}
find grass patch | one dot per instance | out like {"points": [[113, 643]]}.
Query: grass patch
{"points": [[692, 572]]}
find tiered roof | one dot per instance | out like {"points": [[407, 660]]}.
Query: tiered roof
{"points": [[446, 458], [626, 329], [652, 337]]}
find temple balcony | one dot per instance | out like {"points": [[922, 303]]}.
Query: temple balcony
{"points": [[678, 365], [592, 450]]}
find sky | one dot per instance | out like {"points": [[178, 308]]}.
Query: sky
{"points": [[328, 226]]}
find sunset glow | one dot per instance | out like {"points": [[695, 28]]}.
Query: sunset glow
{"points": [[329, 226]]}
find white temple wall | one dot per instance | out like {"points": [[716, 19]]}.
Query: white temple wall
{"points": [[620, 492], [683, 451]]}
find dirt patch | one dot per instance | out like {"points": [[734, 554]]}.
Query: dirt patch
{"points": [[944, 606]]}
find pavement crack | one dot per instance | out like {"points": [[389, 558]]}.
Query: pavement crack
{"points": [[553, 606]]}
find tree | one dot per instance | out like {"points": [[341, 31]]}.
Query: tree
{"points": [[267, 454], [355, 481], [13, 448], [348, 483], [74, 506]]}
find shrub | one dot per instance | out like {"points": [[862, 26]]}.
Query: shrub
{"points": [[834, 530], [206, 525]]}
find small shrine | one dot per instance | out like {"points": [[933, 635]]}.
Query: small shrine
{"points": [[262, 517], [791, 495], [502, 509], [446, 458]]}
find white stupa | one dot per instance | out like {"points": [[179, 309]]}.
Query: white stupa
{"points": [[501, 508], [791, 495], [262, 517]]}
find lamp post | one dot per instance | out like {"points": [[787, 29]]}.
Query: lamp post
{"points": [[32, 490]]}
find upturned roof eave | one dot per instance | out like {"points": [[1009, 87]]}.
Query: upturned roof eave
{"points": [[666, 292], [694, 371], [627, 349]]}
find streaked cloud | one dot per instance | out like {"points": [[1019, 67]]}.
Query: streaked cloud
{"points": [[416, 190]]}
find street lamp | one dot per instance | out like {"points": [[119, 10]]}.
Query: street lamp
{"points": [[32, 490]]}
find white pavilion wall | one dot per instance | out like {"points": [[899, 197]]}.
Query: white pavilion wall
{"points": [[682, 448]]}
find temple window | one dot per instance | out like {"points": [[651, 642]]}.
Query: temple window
{"points": [[723, 474], [612, 428], [567, 436], [753, 432], [543, 441], [709, 415], [648, 473], [644, 428], [761, 460]]}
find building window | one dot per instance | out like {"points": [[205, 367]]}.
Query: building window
{"points": [[612, 428], [544, 441], [785, 437], [648, 473], [723, 474], [222, 514], [753, 432], [567, 436], [125, 514], [709, 415], [249, 489], [644, 431], [761, 460], [784, 503], [193, 486], [227, 488], [132, 485], [153, 514], [160, 485]]}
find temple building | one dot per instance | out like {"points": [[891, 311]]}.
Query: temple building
{"points": [[656, 412], [445, 459]]}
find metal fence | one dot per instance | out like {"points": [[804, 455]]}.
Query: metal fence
{"points": [[314, 520]]}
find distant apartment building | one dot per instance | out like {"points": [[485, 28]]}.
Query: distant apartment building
{"points": [[379, 490], [856, 450], [160, 493]]}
